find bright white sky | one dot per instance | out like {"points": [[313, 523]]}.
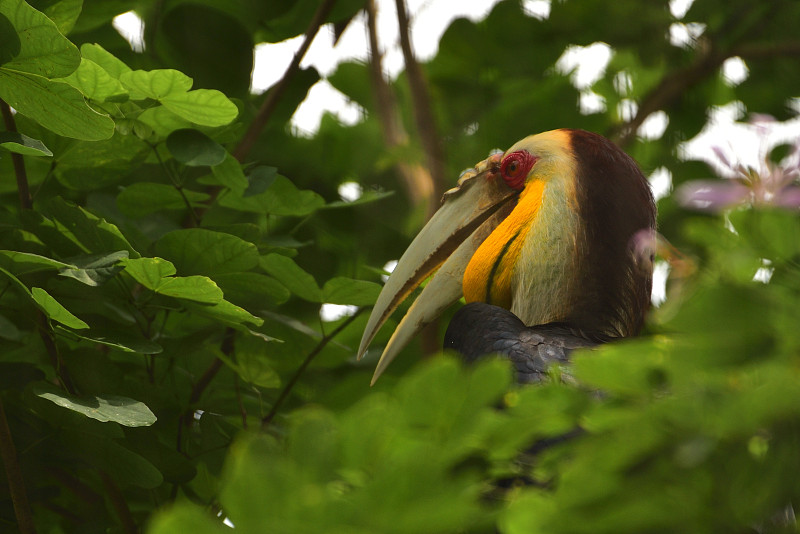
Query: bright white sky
{"points": [[429, 20]]}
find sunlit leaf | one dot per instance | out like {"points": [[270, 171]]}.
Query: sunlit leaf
{"points": [[42, 51], [95, 83], [157, 83], [22, 144], [56, 106], [54, 310], [201, 251], [206, 107], [122, 410]]}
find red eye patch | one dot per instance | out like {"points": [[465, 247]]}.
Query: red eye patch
{"points": [[515, 168]]}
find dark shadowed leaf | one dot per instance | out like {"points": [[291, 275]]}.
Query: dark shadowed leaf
{"points": [[194, 148], [54, 310]]}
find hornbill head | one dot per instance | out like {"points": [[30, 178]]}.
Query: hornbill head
{"points": [[545, 230]]}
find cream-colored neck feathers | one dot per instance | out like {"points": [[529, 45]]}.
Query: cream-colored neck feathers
{"points": [[536, 276]]}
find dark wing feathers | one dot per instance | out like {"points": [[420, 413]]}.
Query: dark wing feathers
{"points": [[479, 328]]}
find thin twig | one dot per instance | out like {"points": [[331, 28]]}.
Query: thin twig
{"points": [[118, 502], [311, 355], [48, 339], [271, 101], [423, 108], [16, 484], [25, 200]]}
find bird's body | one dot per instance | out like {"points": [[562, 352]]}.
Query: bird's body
{"points": [[545, 230]]}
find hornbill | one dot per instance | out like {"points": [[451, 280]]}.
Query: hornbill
{"points": [[541, 241]]}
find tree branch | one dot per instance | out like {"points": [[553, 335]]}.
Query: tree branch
{"points": [[300, 370], [25, 201], [423, 109], [271, 101], [120, 505], [416, 178], [16, 484]]}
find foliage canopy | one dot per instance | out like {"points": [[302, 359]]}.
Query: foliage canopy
{"points": [[168, 240]]}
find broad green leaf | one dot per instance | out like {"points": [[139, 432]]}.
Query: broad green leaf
{"points": [[22, 144], [342, 290], [57, 106], [156, 274], [251, 362], [229, 173], [294, 278], [195, 288], [9, 40], [96, 234], [95, 83], [227, 312], [54, 310], [87, 166], [64, 13], [260, 179], [280, 198], [43, 51], [157, 83], [206, 107], [105, 408], [251, 289], [201, 251], [194, 148], [162, 120], [124, 340], [96, 269], [25, 262], [142, 198], [117, 461], [108, 61], [149, 271]]}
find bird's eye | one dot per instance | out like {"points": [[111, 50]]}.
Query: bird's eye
{"points": [[515, 168]]}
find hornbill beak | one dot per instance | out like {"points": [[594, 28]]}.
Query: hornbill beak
{"points": [[469, 213]]}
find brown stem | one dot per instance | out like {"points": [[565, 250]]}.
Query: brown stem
{"points": [[422, 107], [416, 178], [203, 382], [77, 487], [16, 484], [118, 502], [271, 101], [311, 355], [25, 200]]}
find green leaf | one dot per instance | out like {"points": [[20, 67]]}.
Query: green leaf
{"points": [[142, 198], [163, 121], [281, 198], [367, 198], [108, 61], [251, 289], [22, 144], [120, 463], [206, 107], [229, 173], [104, 408], [295, 279], [64, 13], [25, 262], [228, 313], [96, 269], [201, 251], [260, 179], [156, 274], [95, 83], [194, 148], [124, 340], [57, 106], [54, 310], [96, 234], [342, 290], [155, 84], [43, 51]]}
